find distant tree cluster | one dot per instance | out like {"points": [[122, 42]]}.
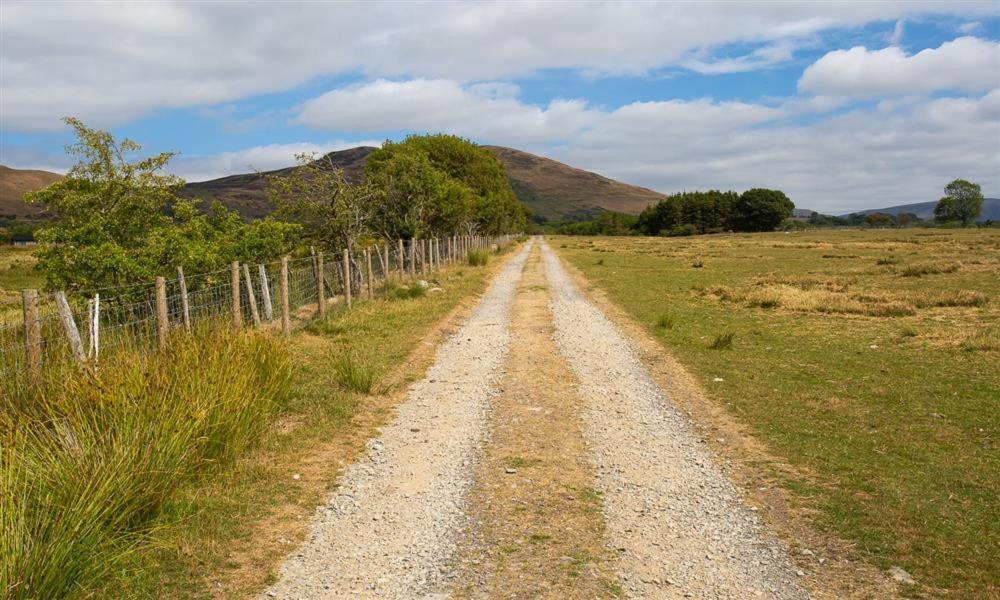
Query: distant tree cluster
{"points": [[691, 213], [606, 223]]}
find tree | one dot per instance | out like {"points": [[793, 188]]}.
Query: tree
{"points": [[332, 211], [962, 201], [119, 222], [878, 219], [761, 209]]}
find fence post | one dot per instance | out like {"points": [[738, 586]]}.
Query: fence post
{"points": [[162, 324], [413, 256], [401, 258], [95, 327], [265, 290], [423, 257], [385, 271], [32, 331], [185, 307], [234, 283], [371, 276], [251, 297], [286, 317], [437, 252], [72, 333], [321, 289], [347, 278]]}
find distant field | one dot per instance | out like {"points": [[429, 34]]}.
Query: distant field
{"points": [[17, 272], [870, 358]]}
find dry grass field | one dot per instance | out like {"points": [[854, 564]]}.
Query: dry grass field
{"points": [[869, 360]]}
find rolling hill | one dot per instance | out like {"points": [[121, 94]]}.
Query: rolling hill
{"points": [[552, 190], [925, 210], [14, 183]]}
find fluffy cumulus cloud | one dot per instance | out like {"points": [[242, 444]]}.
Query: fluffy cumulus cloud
{"points": [[109, 63], [967, 64]]}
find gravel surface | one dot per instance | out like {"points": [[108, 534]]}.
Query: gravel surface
{"points": [[678, 525], [389, 530]]}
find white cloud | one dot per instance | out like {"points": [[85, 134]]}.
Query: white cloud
{"points": [[483, 110], [967, 63], [109, 63], [897, 32]]}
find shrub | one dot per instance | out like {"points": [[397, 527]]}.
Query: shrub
{"points": [[478, 258], [396, 291], [87, 459], [723, 341]]}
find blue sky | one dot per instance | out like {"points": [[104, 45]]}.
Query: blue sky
{"points": [[843, 106]]}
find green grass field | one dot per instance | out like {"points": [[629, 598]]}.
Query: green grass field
{"points": [[17, 272], [869, 358]]}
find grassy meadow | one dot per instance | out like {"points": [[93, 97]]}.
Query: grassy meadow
{"points": [[870, 359], [17, 272]]}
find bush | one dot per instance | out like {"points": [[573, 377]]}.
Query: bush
{"points": [[87, 459], [478, 258]]}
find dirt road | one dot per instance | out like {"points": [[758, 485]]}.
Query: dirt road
{"points": [[537, 458]]}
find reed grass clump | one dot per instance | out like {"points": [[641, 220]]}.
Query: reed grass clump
{"points": [[478, 258], [89, 456]]}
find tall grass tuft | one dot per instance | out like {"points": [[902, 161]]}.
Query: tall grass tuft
{"points": [[723, 341], [396, 291], [665, 321], [89, 457], [352, 374], [478, 258]]}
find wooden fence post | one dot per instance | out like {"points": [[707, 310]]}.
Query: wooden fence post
{"points": [[265, 291], [286, 316], [371, 276], [321, 288], [234, 283], [413, 256], [251, 297], [385, 271], [185, 307], [423, 257], [95, 327], [162, 324], [401, 258], [69, 325], [347, 278], [32, 331]]}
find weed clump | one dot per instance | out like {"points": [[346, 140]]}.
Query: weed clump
{"points": [[478, 258], [723, 341], [353, 375], [665, 321]]}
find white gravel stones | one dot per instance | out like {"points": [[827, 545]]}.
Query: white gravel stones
{"points": [[678, 525], [389, 529]]}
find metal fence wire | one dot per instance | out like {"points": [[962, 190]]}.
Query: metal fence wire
{"points": [[48, 327]]}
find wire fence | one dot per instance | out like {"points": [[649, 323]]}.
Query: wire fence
{"points": [[44, 328]]}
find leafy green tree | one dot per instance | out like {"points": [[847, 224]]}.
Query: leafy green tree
{"points": [[334, 213], [118, 221], [761, 209], [878, 220], [962, 201]]}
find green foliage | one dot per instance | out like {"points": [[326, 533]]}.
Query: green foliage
{"points": [[963, 201], [441, 184], [87, 461], [689, 213], [402, 292], [478, 258], [761, 209], [352, 374], [879, 220], [606, 223], [332, 211], [119, 221]]}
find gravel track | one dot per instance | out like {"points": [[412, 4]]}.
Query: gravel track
{"points": [[389, 530], [678, 525]]}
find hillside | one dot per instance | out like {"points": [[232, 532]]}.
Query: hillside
{"points": [[925, 210], [557, 191], [245, 193], [550, 189], [14, 183]]}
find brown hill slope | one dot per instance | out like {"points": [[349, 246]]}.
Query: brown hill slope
{"points": [[557, 191], [245, 193], [14, 183], [550, 189]]}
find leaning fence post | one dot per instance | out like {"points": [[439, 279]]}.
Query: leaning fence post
{"points": [[286, 316], [72, 333], [95, 327], [265, 291], [234, 282], [321, 290], [254, 314], [162, 324], [185, 307], [32, 331], [347, 278], [371, 277]]}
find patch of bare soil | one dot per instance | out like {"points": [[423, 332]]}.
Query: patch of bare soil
{"points": [[537, 529], [832, 566]]}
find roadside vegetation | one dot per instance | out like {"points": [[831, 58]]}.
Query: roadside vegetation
{"points": [[866, 359]]}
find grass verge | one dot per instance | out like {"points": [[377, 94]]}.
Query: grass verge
{"points": [[878, 384]]}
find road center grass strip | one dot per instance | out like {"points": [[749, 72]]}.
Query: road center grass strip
{"points": [[867, 358]]}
